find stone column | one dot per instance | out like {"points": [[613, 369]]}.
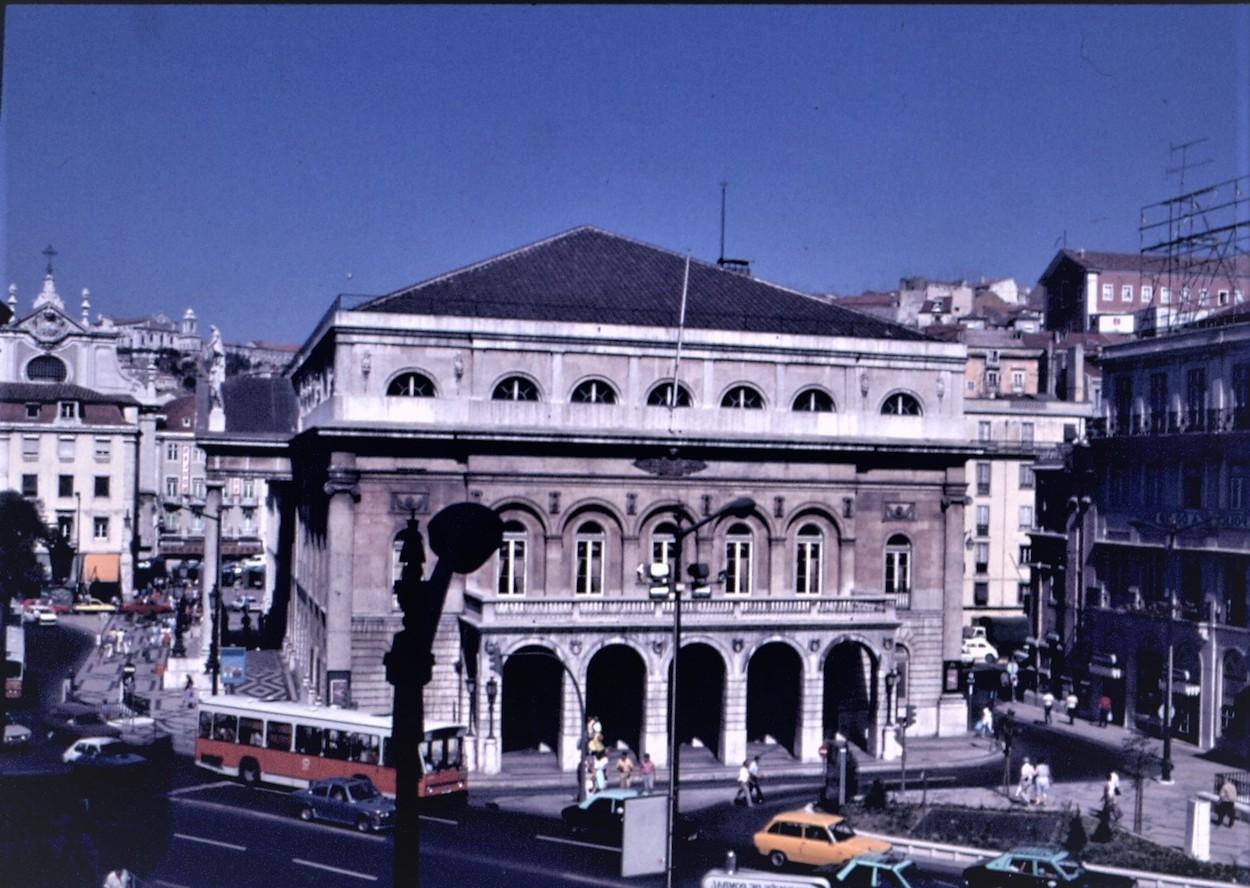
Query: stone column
{"points": [[811, 715], [655, 717], [733, 740], [343, 489]]}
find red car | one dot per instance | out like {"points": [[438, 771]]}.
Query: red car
{"points": [[150, 607]]}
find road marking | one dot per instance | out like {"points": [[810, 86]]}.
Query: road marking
{"points": [[335, 869], [439, 819], [277, 818], [209, 842], [187, 789], [577, 843]]}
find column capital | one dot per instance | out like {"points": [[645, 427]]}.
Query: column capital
{"points": [[343, 481]]}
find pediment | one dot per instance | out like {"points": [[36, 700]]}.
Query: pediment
{"points": [[48, 325]]}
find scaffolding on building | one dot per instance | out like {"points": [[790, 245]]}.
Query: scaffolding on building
{"points": [[1195, 251]]}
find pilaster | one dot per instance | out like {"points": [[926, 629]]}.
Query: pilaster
{"points": [[733, 745]]}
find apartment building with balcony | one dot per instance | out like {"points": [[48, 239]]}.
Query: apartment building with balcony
{"points": [[1159, 547], [545, 384]]}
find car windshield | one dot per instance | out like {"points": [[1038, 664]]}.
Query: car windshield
{"points": [[1068, 869], [361, 791]]}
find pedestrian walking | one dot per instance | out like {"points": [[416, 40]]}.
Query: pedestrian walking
{"points": [[1070, 703], [601, 771], [1041, 780], [588, 768], [1104, 710], [1227, 804], [625, 769], [1111, 798], [1048, 703], [744, 785], [648, 773], [188, 693], [119, 878], [1024, 790], [756, 792], [985, 724]]}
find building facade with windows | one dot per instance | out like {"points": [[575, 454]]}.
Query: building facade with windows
{"points": [[558, 385], [1159, 546]]}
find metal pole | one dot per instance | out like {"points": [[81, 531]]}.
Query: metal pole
{"points": [[674, 745], [1165, 775]]}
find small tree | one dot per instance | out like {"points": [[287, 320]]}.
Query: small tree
{"points": [[20, 574], [1138, 759], [1077, 837]]}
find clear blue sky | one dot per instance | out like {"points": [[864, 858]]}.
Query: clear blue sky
{"points": [[246, 160]]}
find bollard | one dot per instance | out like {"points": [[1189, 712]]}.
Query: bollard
{"points": [[1198, 829], [731, 863]]}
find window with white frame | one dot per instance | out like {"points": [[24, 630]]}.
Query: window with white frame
{"points": [[1165, 295], [171, 485], [249, 521], [983, 478], [65, 449], [901, 404], [1026, 433], [983, 520], [1108, 292], [1147, 293], [410, 385], [664, 543], [103, 449], [590, 544], [171, 452], [1026, 517], [68, 410], [807, 561], [594, 391], [515, 388], [197, 488], [898, 566], [743, 397], [1017, 381], [983, 430], [100, 527], [510, 579], [662, 396], [1126, 292], [197, 523], [813, 400], [738, 560], [1026, 476], [249, 488], [30, 448], [982, 557]]}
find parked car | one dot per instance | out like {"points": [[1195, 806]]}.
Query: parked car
{"points": [[886, 871], [1039, 868], [46, 617], [93, 606], [149, 607], [812, 837], [101, 752], [978, 648], [602, 816], [245, 603], [72, 721], [354, 801], [16, 736]]}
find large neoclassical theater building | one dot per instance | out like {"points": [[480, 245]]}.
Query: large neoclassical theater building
{"points": [[570, 387]]}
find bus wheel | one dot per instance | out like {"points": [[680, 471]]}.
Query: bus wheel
{"points": [[363, 825], [307, 814], [249, 772]]}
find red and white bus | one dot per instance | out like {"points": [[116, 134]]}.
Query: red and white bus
{"points": [[293, 744]]}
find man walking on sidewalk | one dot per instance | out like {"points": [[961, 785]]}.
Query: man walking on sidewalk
{"points": [[1024, 790], [744, 785], [1227, 805], [1048, 703]]}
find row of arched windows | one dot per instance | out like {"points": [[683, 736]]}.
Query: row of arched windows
{"points": [[734, 575], [412, 384]]}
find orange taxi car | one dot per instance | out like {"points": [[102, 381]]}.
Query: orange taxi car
{"points": [[812, 837]]}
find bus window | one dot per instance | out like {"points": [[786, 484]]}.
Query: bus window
{"points": [[206, 726], [364, 748], [388, 757], [225, 727], [280, 736], [251, 731], [457, 754], [307, 740], [336, 744]]}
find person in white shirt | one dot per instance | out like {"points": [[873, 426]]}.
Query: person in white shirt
{"points": [[1048, 703], [744, 785], [1025, 789]]}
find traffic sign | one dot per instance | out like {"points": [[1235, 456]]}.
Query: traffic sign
{"points": [[719, 878]]}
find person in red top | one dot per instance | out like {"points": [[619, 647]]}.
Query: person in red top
{"points": [[1104, 710], [648, 773]]}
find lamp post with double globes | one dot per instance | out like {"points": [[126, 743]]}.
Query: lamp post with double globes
{"points": [[740, 507]]}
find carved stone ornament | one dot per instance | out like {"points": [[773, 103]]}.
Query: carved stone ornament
{"points": [[575, 646], [343, 482], [670, 466], [49, 326], [410, 501], [657, 647], [738, 645], [900, 512], [814, 645]]}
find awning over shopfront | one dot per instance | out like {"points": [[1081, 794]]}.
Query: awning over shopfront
{"points": [[101, 567]]}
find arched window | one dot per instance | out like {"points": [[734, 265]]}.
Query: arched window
{"points": [[594, 391], [901, 404], [664, 543], [898, 569], [411, 385], [738, 560], [813, 400], [46, 368], [591, 546], [743, 397], [807, 563], [511, 574], [662, 396], [515, 388]]}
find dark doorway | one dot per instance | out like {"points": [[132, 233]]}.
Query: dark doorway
{"points": [[530, 710], [700, 696], [773, 679], [615, 690], [850, 704]]}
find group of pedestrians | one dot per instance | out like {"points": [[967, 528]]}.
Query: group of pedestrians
{"points": [[1035, 781], [749, 792], [596, 763]]}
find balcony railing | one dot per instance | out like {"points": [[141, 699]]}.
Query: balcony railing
{"points": [[1212, 420], [645, 613]]}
